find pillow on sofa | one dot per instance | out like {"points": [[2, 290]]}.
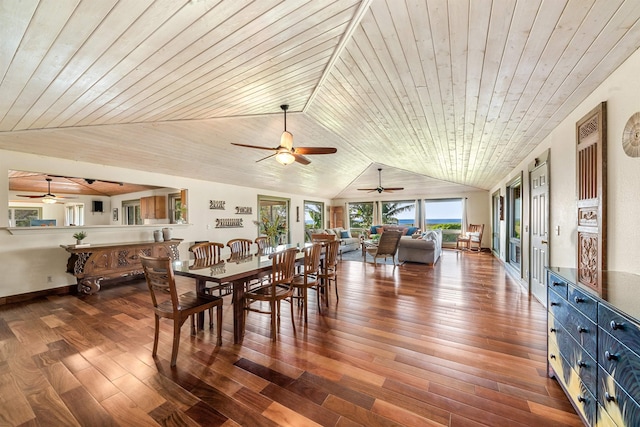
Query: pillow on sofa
{"points": [[411, 231], [344, 235]]}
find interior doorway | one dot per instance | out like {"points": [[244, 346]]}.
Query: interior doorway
{"points": [[539, 231]]}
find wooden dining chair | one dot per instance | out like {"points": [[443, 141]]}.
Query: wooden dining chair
{"points": [[308, 277], [240, 246], [209, 254], [158, 273], [278, 289], [387, 246], [329, 271], [263, 243]]}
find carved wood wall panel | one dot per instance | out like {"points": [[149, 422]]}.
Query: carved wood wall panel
{"points": [[591, 156]]}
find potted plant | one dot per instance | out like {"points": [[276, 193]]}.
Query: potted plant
{"points": [[79, 236], [272, 227]]}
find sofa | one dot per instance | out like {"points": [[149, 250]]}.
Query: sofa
{"points": [[406, 230], [424, 248], [347, 241]]}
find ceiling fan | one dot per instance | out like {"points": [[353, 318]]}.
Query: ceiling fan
{"points": [[47, 198], [380, 188], [285, 153]]}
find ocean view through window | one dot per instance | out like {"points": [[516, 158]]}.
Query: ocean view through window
{"points": [[444, 214]]}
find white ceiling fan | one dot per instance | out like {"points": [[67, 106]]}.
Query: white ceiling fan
{"points": [[48, 197], [286, 153], [380, 188]]}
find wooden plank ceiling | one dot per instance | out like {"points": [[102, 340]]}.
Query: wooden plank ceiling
{"points": [[441, 94]]}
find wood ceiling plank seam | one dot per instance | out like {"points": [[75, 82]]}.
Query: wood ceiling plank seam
{"points": [[519, 98], [193, 35], [352, 25], [157, 106], [32, 49], [523, 20], [500, 22], [401, 49], [305, 70], [234, 69], [55, 70], [385, 86], [95, 80], [459, 47], [139, 33], [477, 41], [147, 57], [429, 99], [580, 48], [623, 20], [14, 23], [253, 42], [64, 89], [93, 60], [439, 25]]}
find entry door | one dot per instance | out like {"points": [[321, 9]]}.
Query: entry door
{"points": [[539, 179]]}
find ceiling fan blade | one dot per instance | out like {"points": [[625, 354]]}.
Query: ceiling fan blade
{"points": [[253, 146], [265, 158], [367, 189], [315, 150], [31, 197], [393, 189], [301, 159]]}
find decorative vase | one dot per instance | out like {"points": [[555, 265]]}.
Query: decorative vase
{"points": [[157, 235], [166, 234]]}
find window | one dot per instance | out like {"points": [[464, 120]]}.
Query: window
{"points": [[131, 214], [514, 212], [444, 214], [497, 204], [401, 213], [74, 214], [176, 209], [21, 217], [274, 219], [313, 215], [360, 216]]}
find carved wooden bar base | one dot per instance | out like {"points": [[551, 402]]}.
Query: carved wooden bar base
{"points": [[114, 262]]}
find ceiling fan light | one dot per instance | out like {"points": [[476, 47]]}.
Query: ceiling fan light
{"points": [[286, 140], [49, 200], [285, 158]]}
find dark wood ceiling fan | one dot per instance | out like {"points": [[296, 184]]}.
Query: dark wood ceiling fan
{"points": [[380, 188], [48, 197], [286, 153]]}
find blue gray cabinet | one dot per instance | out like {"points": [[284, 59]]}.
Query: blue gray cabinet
{"points": [[593, 345]]}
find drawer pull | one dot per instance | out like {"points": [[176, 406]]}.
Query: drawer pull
{"points": [[554, 303], [610, 356], [582, 363], [552, 356], [557, 284], [608, 397], [553, 330], [581, 399], [615, 325], [582, 329], [578, 300]]}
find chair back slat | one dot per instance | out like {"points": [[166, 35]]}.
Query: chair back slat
{"points": [[283, 266], [207, 250], [262, 242], [331, 253], [388, 244], [312, 259], [160, 279], [240, 246]]}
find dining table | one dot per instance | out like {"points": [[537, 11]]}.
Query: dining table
{"points": [[236, 270]]}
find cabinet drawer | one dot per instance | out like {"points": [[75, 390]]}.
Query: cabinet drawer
{"points": [[560, 342], [621, 408], [626, 331], [604, 420], [619, 362], [583, 330], [583, 303], [558, 285], [558, 306]]}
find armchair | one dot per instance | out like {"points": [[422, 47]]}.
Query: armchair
{"points": [[472, 239]]}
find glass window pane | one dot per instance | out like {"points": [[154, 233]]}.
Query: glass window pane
{"points": [[401, 213], [360, 215], [446, 215]]}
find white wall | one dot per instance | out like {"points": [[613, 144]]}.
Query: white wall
{"points": [[621, 91], [27, 260]]}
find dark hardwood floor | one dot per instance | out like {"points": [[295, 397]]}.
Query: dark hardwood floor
{"points": [[460, 344]]}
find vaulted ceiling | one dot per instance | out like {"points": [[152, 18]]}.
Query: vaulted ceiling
{"points": [[443, 95]]}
